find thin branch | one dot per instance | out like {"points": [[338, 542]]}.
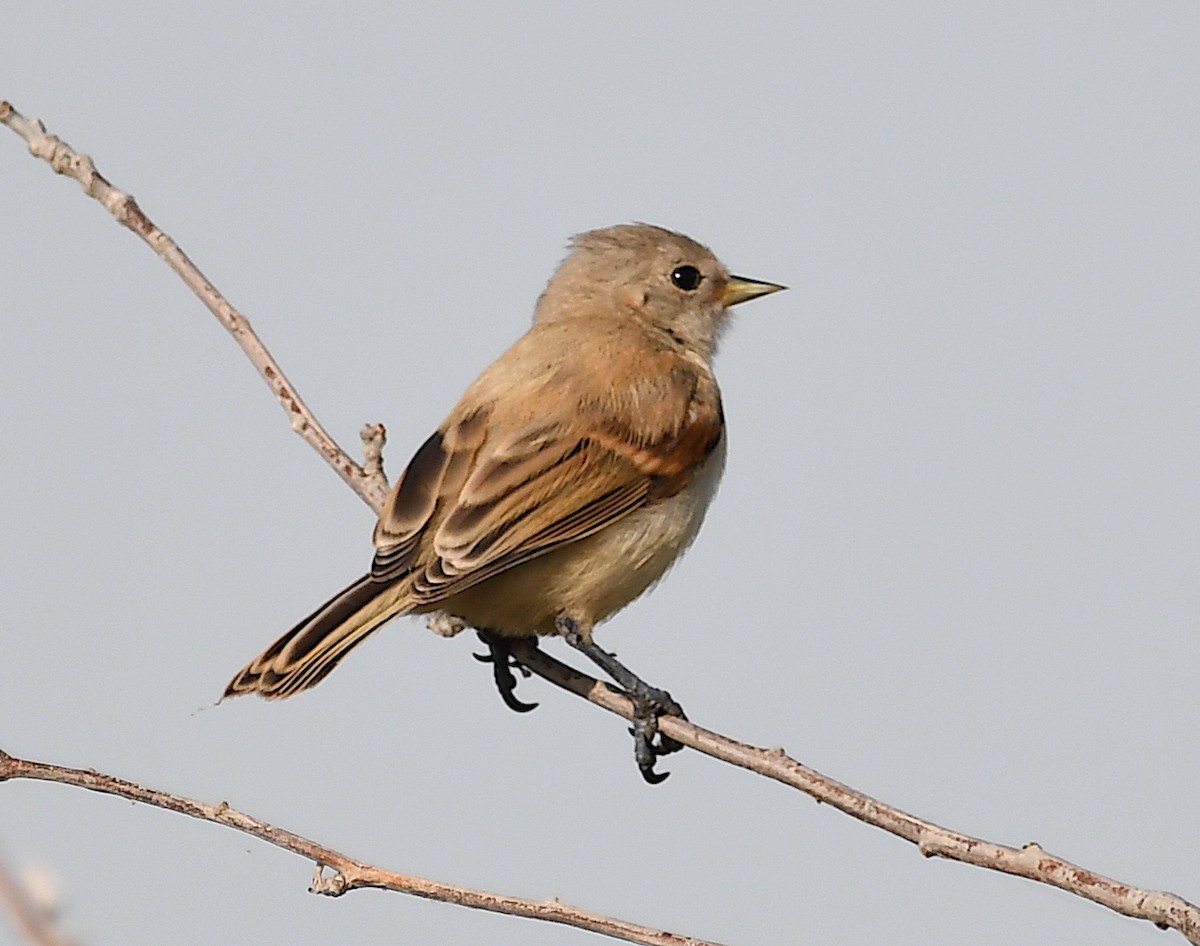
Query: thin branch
{"points": [[348, 874], [374, 438], [371, 486], [34, 922], [1165, 910]]}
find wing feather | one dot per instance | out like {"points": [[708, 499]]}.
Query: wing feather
{"points": [[489, 491]]}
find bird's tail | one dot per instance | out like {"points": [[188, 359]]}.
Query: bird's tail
{"points": [[305, 654]]}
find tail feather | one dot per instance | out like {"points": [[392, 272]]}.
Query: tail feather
{"points": [[302, 657]]}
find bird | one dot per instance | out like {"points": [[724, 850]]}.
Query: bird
{"points": [[567, 480]]}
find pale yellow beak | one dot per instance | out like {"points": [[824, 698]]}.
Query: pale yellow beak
{"points": [[741, 289]]}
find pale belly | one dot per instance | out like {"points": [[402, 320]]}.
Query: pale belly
{"points": [[593, 578]]}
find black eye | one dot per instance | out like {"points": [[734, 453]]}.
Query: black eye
{"points": [[686, 278]]}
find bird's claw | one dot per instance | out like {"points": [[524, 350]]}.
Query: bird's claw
{"points": [[649, 703], [503, 663], [645, 753], [649, 742]]}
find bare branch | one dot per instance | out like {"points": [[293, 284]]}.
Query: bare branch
{"points": [[32, 921], [1166, 910], [371, 486], [348, 874]]}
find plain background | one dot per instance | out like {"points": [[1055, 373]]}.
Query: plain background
{"points": [[953, 562]]}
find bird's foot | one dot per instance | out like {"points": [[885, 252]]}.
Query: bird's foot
{"points": [[649, 703], [503, 663], [649, 743]]}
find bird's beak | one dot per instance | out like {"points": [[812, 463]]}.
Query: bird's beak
{"points": [[741, 289]]}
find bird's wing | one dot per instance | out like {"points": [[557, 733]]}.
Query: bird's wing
{"points": [[480, 497]]}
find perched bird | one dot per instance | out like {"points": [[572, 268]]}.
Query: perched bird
{"points": [[570, 476]]}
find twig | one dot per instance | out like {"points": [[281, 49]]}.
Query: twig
{"points": [[370, 485], [1166, 910], [348, 874], [31, 921]]}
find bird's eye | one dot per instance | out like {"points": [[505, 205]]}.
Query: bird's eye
{"points": [[686, 278]]}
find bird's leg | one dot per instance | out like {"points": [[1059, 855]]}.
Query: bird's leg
{"points": [[649, 702], [503, 663]]}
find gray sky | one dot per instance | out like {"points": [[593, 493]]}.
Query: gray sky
{"points": [[953, 561]]}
